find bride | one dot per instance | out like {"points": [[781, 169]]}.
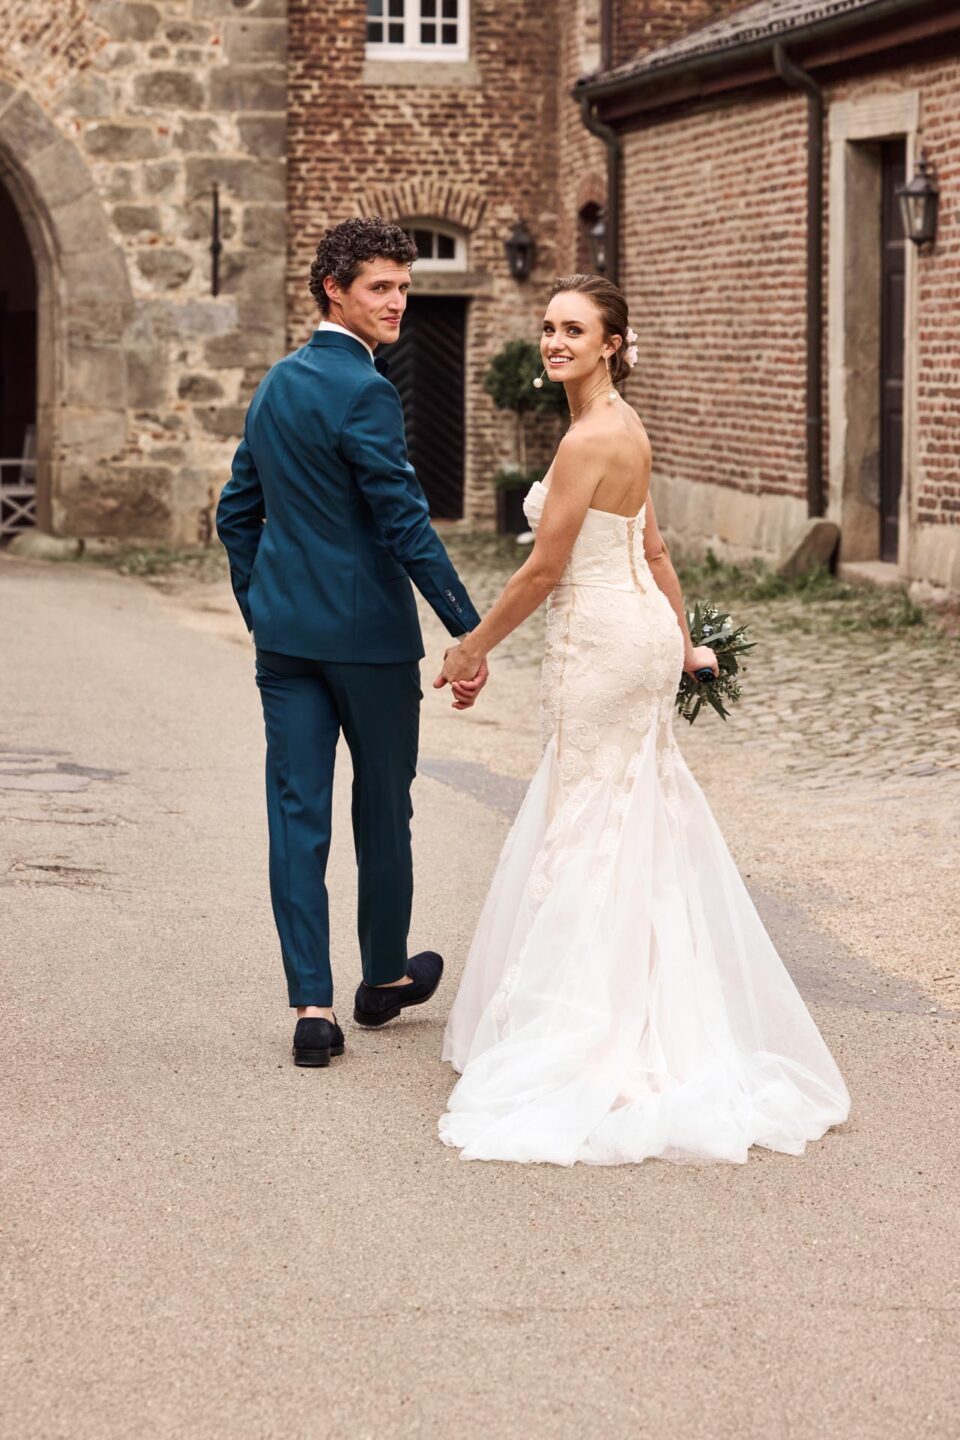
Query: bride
{"points": [[621, 998]]}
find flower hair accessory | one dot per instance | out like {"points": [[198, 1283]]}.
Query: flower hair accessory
{"points": [[630, 352]]}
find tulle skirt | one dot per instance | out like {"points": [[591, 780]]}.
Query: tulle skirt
{"points": [[621, 999]]}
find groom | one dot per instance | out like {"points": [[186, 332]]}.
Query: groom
{"points": [[324, 520]]}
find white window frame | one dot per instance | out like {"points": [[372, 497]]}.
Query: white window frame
{"points": [[415, 50], [459, 259]]}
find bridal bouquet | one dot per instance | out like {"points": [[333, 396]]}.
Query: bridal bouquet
{"points": [[712, 626]]}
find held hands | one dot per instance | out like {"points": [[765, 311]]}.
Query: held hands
{"points": [[464, 674], [701, 657]]}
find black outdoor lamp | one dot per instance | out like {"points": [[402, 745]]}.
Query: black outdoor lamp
{"points": [[520, 251], [919, 202], [597, 235]]}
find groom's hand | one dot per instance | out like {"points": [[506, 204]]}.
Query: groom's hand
{"points": [[464, 674]]}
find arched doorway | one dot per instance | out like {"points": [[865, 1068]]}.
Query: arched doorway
{"points": [[18, 374], [82, 306], [428, 367]]}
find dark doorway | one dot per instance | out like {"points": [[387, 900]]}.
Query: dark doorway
{"points": [[18, 374], [427, 367], [892, 293]]}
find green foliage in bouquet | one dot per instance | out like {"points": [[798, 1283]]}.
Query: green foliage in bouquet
{"points": [[714, 627]]}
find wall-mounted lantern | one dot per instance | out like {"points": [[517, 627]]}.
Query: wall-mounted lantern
{"points": [[919, 202], [597, 235], [520, 251]]}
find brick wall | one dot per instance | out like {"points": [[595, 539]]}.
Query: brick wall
{"points": [[582, 159], [713, 263], [713, 266], [641, 25], [938, 340], [474, 144]]}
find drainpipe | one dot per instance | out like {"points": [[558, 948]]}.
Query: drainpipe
{"points": [[798, 79], [612, 210], [612, 142]]}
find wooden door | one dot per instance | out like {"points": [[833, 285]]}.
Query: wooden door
{"points": [[427, 367], [892, 293]]}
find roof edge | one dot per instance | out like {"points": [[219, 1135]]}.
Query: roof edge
{"points": [[708, 62]]}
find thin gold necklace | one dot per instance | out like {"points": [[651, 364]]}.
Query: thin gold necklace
{"points": [[580, 408]]}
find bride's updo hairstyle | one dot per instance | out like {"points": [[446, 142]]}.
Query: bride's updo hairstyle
{"points": [[613, 312]]}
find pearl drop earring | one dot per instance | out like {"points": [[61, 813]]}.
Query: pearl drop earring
{"points": [[612, 395], [538, 383]]}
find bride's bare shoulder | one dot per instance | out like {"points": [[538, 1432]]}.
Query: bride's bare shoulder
{"points": [[634, 425]]}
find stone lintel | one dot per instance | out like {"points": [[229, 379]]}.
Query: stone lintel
{"points": [[439, 282], [424, 74]]}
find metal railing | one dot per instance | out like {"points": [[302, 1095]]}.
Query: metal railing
{"points": [[18, 495]]}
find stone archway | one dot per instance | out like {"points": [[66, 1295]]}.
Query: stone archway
{"points": [[84, 303]]}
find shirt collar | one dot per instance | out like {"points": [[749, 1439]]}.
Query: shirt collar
{"points": [[342, 330]]}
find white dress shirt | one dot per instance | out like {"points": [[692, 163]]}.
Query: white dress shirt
{"points": [[342, 330]]}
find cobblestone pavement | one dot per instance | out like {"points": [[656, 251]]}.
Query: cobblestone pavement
{"points": [[825, 708]]}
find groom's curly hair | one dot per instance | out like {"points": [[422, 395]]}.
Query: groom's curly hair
{"points": [[347, 246]]}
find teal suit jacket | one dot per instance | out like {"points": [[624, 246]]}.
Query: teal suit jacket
{"points": [[323, 517]]}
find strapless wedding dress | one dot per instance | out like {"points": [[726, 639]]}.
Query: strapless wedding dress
{"points": [[621, 998]]}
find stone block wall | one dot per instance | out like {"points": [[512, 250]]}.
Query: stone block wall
{"points": [[930, 514], [936, 332], [116, 117]]}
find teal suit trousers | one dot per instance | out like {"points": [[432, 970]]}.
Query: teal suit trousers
{"points": [[306, 704]]}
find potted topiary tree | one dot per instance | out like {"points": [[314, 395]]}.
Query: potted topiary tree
{"points": [[509, 382]]}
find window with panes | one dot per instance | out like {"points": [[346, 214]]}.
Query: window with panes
{"points": [[417, 29], [437, 249]]}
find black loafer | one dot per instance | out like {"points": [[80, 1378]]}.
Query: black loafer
{"points": [[315, 1040], [376, 1004]]}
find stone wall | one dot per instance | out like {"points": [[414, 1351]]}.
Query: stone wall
{"points": [[922, 102], [115, 119]]}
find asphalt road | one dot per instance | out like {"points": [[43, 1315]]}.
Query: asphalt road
{"points": [[200, 1240]]}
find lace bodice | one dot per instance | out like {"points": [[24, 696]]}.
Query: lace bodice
{"points": [[613, 648], [608, 551]]}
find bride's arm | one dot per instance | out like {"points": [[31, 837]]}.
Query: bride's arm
{"points": [[577, 470], [661, 568]]}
